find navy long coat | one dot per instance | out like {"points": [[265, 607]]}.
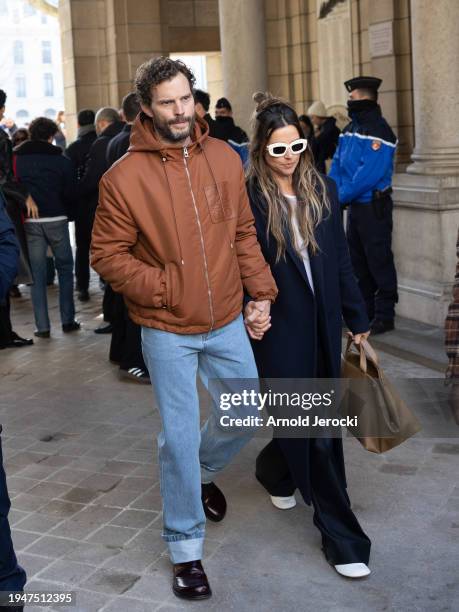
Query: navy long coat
{"points": [[289, 348], [300, 317]]}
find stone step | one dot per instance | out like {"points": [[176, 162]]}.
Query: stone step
{"points": [[416, 342]]}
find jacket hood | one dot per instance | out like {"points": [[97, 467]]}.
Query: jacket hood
{"points": [[145, 138], [37, 147]]}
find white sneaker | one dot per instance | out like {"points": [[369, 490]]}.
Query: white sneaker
{"points": [[353, 570], [284, 503]]}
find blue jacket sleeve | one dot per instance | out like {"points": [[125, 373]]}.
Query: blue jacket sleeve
{"points": [[352, 304], [374, 165], [9, 251]]}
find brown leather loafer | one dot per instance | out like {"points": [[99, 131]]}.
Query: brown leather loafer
{"points": [[213, 501], [190, 581]]}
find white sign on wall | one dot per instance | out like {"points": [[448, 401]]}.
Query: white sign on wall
{"points": [[381, 39]]}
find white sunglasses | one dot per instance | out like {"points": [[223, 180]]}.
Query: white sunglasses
{"points": [[279, 149]]}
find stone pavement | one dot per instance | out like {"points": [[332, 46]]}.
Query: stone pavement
{"points": [[80, 456]]}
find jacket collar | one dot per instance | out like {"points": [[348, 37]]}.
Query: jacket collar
{"points": [[112, 130], [37, 147], [366, 116], [86, 129]]}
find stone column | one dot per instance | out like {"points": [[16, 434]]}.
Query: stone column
{"points": [[435, 35], [84, 53], [242, 35], [426, 197]]}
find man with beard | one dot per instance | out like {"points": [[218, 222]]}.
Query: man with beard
{"points": [[175, 234], [362, 168]]}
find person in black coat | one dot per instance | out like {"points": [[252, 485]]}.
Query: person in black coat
{"points": [[126, 344], [227, 130], [78, 152], [108, 125], [326, 137], [202, 105], [298, 223], [119, 144], [51, 180]]}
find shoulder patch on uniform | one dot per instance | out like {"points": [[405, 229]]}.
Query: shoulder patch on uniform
{"points": [[375, 145]]}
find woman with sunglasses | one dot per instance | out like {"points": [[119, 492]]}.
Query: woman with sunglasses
{"points": [[298, 222]]}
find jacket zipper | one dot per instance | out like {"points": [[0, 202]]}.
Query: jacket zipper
{"points": [[206, 268]]}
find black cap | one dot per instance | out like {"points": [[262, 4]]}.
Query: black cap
{"points": [[363, 82], [223, 103]]}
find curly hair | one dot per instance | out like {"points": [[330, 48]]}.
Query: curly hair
{"points": [[42, 128], [155, 71]]}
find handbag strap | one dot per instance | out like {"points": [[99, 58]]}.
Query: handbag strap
{"points": [[366, 351]]}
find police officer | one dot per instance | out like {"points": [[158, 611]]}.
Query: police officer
{"points": [[362, 169]]}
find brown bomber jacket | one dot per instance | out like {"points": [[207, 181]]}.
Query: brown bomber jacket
{"points": [[175, 235]]}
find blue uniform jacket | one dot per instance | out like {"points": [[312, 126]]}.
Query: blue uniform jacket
{"points": [[364, 159]]}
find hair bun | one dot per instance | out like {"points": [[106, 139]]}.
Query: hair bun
{"points": [[259, 97]]}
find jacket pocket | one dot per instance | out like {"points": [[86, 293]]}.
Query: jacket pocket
{"points": [[217, 196], [174, 286]]}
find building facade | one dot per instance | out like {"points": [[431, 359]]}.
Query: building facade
{"points": [[30, 62], [304, 50]]}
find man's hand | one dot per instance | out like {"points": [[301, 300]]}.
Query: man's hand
{"points": [[257, 319], [358, 338], [32, 208]]}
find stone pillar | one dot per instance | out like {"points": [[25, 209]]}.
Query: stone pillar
{"points": [[103, 43], [242, 35], [426, 198], [84, 53], [435, 35]]}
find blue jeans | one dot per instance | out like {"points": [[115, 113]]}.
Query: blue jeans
{"points": [[56, 235], [188, 455]]}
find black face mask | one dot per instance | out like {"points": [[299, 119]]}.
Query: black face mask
{"points": [[357, 106]]}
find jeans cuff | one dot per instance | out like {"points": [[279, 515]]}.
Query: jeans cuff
{"points": [[208, 475], [182, 551]]}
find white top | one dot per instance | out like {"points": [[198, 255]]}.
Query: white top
{"points": [[46, 219], [292, 200]]}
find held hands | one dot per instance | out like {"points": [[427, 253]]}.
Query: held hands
{"points": [[32, 208], [257, 319]]}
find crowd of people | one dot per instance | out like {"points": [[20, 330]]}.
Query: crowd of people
{"points": [[227, 261]]}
